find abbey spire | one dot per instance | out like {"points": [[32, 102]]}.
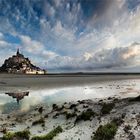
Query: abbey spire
{"points": [[18, 51]]}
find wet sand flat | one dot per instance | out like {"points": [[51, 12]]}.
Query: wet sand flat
{"points": [[58, 80]]}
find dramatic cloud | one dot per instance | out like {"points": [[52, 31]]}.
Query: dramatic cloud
{"points": [[73, 35], [105, 58]]}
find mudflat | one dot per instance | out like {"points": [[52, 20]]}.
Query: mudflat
{"points": [[59, 80]]}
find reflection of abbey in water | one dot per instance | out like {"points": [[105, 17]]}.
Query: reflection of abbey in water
{"points": [[19, 64], [19, 96]]}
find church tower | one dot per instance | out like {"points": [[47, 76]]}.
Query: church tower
{"points": [[18, 52]]}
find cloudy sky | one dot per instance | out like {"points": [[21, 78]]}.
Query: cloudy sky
{"points": [[73, 35]]}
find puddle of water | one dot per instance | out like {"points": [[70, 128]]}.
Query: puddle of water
{"points": [[66, 94]]}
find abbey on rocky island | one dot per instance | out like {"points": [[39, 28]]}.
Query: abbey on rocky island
{"points": [[19, 64]]}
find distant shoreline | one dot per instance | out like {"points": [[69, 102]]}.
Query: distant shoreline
{"points": [[76, 74]]}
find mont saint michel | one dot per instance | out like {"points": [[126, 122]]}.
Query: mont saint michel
{"points": [[19, 64]]}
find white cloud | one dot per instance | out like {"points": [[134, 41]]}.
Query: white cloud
{"points": [[62, 32], [4, 44], [31, 46], [36, 48], [87, 56], [132, 51], [48, 10], [49, 54]]}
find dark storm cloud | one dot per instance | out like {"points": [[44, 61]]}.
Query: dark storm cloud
{"points": [[94, 7], [132, 4]]}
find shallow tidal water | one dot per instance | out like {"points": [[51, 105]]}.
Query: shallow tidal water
{"points": [[39, 95]]}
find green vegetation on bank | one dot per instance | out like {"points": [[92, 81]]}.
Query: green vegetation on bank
{"points": [[106, 132], [39, 121], [50, 135], [70, 115], [26, 135], [85, 115], [106, 108], [17, 135]]}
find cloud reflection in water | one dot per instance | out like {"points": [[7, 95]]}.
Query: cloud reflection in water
{"points": [[66, 94]]}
